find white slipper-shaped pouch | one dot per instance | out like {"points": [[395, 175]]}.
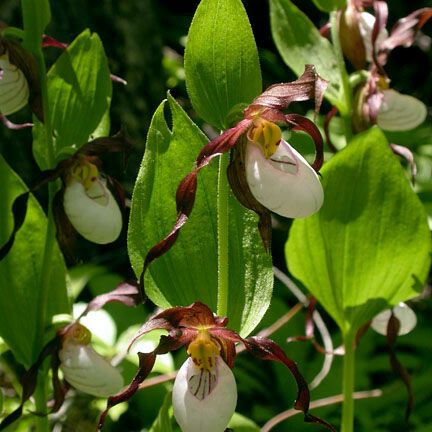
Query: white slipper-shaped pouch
{"points": [[83, 367], [399, 112], [406, 316], [88, 371], [204, 400], [14, 88], [285, 183], [93, 212]]}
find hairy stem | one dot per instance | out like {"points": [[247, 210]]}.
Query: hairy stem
{"points": [[222, 227], [348, 384]]}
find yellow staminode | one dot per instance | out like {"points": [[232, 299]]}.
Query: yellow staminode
{"points": [[267, 135], [78, 334], [85, 172], [203, 351], [383, 83]]}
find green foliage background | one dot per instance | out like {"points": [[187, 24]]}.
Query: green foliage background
{"points": [[144, 42]]}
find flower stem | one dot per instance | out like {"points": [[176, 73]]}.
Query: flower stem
{"points": [[222, 227], [32, 17], [346, 87], [32, 42], [41, 420], [348, 384]]}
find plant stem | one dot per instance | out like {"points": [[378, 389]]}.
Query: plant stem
{"points": [[348, 384], [349, 357], [346, 87], [222, 227], [41, 421], [32, 42], [42, 424], [32, 14]]}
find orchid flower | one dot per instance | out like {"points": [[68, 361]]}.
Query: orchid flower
{"points": [[83, 367], [88, 201], [19, 80], [366, 28], [280, 178], [204, 393], [397, 321], [266, 174], [405, 315], [377, 103], [14, 88], [70, 351], [89, 204]]}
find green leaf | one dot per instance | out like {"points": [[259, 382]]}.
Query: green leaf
{"points": [[369, 246], [188, 272], [221, 60], [300, 43], [329, 5], [163, 420], [241, 423], [81, 275], [79, 93], [20, 271]]}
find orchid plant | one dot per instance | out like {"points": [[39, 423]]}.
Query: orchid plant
{"points": [[199, 234]]}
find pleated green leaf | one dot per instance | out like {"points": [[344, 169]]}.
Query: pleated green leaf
{"points": [[188, 272], [79, 93], [299, 43], [20, 272], [221, 60], [369, 246]]}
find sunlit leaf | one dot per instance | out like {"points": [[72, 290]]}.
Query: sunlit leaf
{"points": [[369, 246], [299, 43], [163, 420], [241, 423], [221, 60], [20, 272], [329, 5], [188, 272], [79, 93]]}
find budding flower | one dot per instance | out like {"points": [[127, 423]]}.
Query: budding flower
{"points": [[84, 368], [278, 176], [90, 206], [205, 391], [399, 112], [405, 315], [366, 24], [14, 88]]}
